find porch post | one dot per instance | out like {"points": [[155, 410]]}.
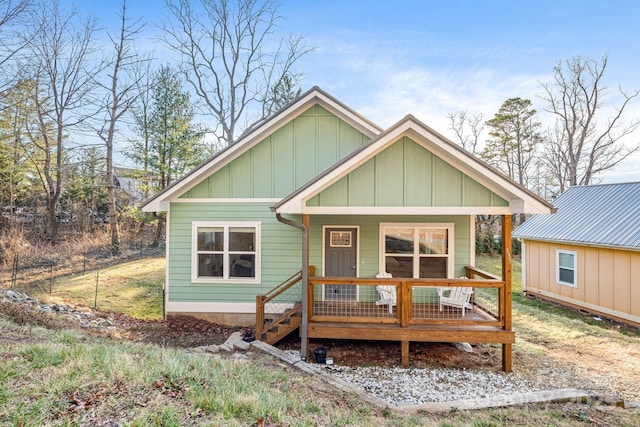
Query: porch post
{"points": [[304, 227], [507, 277], [304, 327]]}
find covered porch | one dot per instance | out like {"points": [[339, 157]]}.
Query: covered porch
{"points": [[394, 309], [395, 222]]}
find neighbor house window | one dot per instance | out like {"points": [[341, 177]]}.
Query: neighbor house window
{"points": [[226, 252], [417, 250], [566, 268]]}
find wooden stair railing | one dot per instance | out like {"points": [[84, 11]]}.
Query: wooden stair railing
{"points": [[274, 330]]}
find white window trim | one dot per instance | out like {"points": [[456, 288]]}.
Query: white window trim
{"points": [[226, 225], [450, 244], [575, 268]]}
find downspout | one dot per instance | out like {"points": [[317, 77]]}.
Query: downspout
{"points": [[305, 281]]}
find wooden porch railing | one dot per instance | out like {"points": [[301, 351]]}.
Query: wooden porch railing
{"points": [[419, 313], [412, 296], [263, 300]]}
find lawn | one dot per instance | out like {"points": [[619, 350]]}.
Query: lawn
{"points": [[64, 377], [133, 288]]}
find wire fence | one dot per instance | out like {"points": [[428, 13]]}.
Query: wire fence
{"points": [[432, 303], [33, 266]]}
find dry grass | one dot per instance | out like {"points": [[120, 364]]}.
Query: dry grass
{"points": [[64, 377], [50, 377], [70, 268], [569, 348]]}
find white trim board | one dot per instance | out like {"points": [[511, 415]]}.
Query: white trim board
{"points": [[588, 306], [211, 307]]}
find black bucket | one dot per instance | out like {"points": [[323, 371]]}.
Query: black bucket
{"points": [[320, 354]]}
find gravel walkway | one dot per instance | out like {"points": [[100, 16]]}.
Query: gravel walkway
{"points": [[400, 386], [417, 386]]}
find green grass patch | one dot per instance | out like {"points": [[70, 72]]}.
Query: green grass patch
{"points": [[133, 288], [51, 379]]}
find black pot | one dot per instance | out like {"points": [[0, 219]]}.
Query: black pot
{"points": [[320, 354]]}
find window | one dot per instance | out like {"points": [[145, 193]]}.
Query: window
{"points": [[226, 252], [566, 272], [417, 250]]}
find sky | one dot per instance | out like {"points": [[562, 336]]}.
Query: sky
{"points": [[431, 58]]}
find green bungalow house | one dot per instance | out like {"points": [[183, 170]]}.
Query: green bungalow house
{"points": [[318, 220]]}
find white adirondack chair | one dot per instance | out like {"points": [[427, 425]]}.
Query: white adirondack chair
{"points": [[457, 296], [387, 293]]}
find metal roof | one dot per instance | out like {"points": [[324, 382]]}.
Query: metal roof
{"points": [[600, 215]]}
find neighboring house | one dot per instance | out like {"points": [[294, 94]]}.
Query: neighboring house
{"points": [[587, 255], [318, 185], [132, 182]]}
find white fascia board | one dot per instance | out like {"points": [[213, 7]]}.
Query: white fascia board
{"points": [[404, 210], [519, 200]]}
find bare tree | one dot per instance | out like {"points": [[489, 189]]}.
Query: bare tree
{"points": [[122, 91], [61, 65], [230, 58], [141, 113], [583, 143], [11, 12], [467, 128]]}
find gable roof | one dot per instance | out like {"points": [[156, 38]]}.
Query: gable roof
{"points": [[520, 199], [315, 96], [601, 215]]}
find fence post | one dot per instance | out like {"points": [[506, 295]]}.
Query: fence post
{"points": [[14, 271], [51, 279], [95, 298]]}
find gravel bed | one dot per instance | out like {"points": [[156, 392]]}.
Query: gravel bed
{"points": [[400, 386], [416, 386]]}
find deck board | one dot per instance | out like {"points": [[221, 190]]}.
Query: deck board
{"points": [[423, 333]]}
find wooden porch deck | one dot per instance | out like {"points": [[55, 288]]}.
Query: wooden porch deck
{"points": [[474, 334], [416, 315]]}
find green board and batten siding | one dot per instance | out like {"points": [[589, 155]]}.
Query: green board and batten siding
{"points": [[281, 256], [273, 168], [281, 247], [423, 180], [284, 161]]}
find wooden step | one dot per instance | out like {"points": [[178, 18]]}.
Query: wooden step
{"points": [[281, 330]]}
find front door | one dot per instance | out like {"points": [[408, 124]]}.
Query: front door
{"points": [[341, 260]]}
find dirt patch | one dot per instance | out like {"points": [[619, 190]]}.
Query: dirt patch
{"points": [[387, 353], [188, 332]]}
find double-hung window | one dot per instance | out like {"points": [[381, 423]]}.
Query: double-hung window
{"points": [[417, 250], [226, 252], [566, 268]]}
